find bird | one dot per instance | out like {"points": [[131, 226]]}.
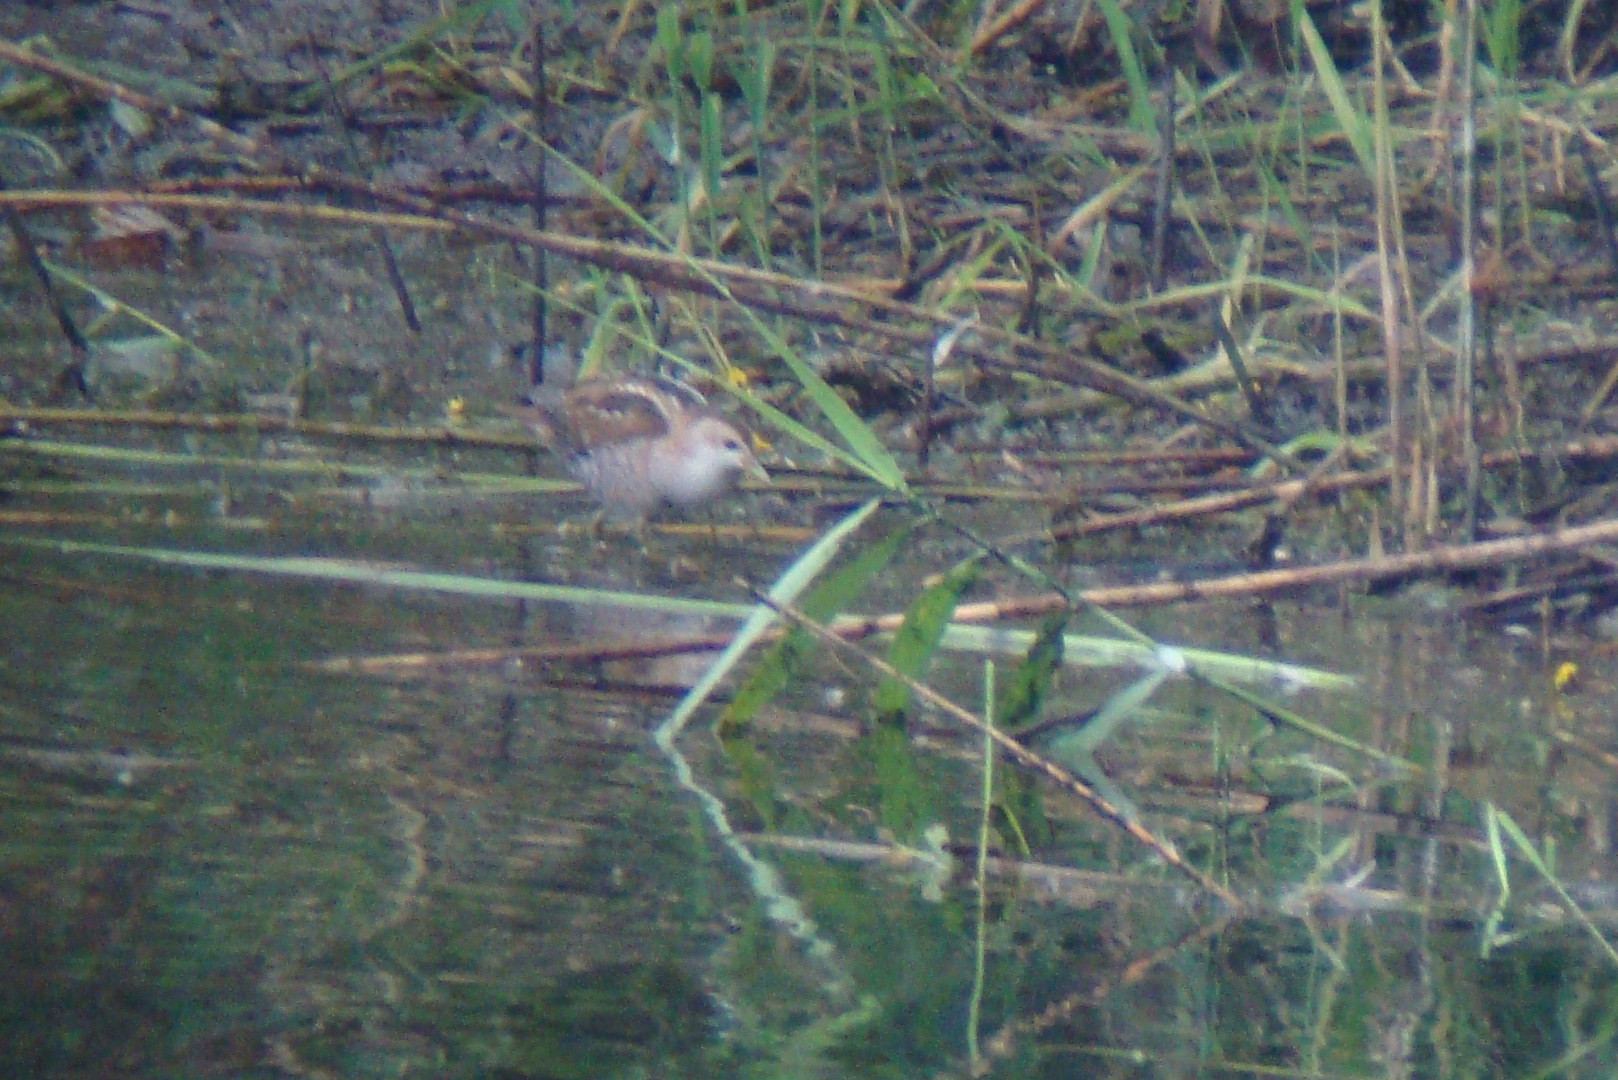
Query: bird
{"points": [[638, 442]]}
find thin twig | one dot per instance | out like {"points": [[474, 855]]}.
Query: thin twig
{"points": [[438, 436], [75, 373], [379, 235], [1238, 366], [1455, 557]]}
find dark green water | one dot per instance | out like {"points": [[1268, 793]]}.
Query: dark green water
{"points": [[217, 861]]}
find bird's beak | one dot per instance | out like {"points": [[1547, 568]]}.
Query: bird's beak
{"points": [[755, 471]]}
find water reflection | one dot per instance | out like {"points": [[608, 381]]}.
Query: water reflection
{"points": [[219, 859], [643, 648]]}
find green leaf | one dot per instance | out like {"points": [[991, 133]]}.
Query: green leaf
{"points": [[1502, 36], [786, 590], [782, 662], [755, 81], [918, 637], [1076, 749], [1023, 696], [351, 572], [872, 456], [699, 55], [1141, 114], [1354, 123], [905, 804], [782, 909], [755, 778], [713, 152], [133, 121], [671, 39]]}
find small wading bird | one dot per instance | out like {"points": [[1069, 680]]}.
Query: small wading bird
{"points": [[637, 442]]}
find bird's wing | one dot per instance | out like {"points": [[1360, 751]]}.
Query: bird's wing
{"points": [[618, 411]]}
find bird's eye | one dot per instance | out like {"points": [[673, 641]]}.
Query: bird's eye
{"points": [[732, 444]]}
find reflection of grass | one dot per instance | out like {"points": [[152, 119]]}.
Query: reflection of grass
{"points": [[1502, 827]]}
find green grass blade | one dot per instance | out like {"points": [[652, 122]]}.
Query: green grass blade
{"points": [[1023, 696], [917, 638], [1525, 847], [1356, 126], [786, 590], [1142, 117], [358, 573], [830, 598], [873, 458]]}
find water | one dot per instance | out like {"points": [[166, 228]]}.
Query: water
{"points": [[217, 857]]}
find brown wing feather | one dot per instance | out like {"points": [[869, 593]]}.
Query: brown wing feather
{"points": [[608, 412], [684, 396]]}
